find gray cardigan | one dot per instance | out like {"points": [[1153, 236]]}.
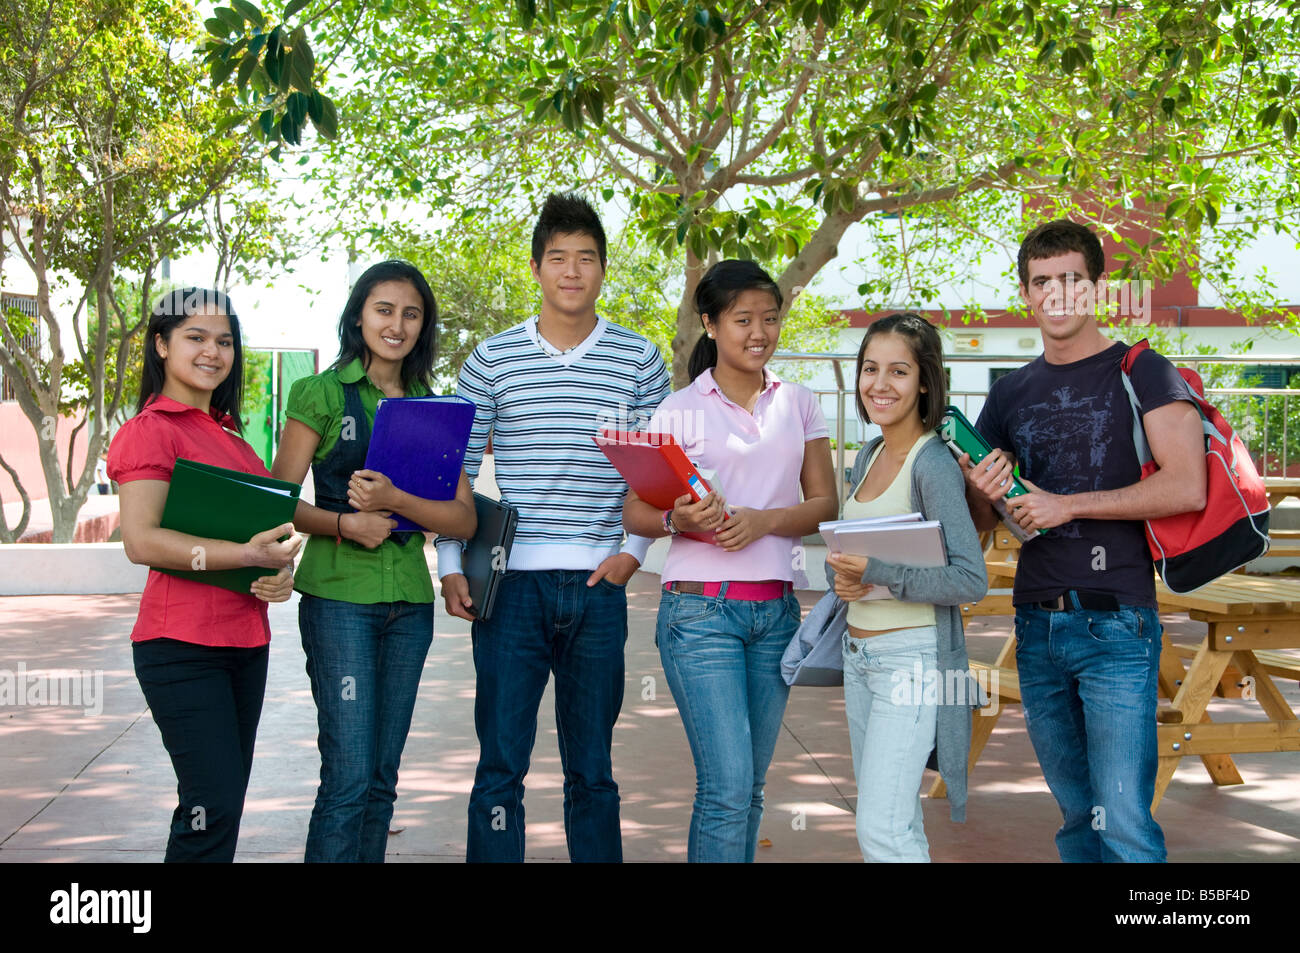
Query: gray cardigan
{"points": [[939, 493]]}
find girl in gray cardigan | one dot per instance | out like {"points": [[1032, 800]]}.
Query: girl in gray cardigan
{"points": [[907, 689]]}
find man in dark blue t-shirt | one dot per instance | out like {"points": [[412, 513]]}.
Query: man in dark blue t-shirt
{"points": [[1087, 630]]}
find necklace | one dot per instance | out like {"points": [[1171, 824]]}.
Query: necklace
{"points": [[551, 349]]}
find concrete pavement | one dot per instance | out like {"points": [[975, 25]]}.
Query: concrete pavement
{"points": [[78, 786]]}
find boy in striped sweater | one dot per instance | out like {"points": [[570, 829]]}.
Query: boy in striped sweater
{"points": [[543, 388]]}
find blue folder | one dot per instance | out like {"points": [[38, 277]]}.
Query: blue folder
{"points": [[419, 443]]}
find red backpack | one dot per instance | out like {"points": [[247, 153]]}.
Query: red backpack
{"points": [[1192, 549]]}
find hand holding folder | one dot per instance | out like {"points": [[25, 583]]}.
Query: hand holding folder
{"points": [[656, 468], [217, 503], [905, 539], [419, 444], [961, 437], [488, 553]]}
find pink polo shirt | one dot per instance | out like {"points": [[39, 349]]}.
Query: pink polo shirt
{"points": [[757, 459]]}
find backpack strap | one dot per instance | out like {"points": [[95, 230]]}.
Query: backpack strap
{"points": [[1210, 432], [1131, 356], [1139, 435]]}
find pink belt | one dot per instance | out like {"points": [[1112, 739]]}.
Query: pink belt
{"points": [[749, 591]]}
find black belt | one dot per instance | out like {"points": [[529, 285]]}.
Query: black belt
{"points": [[1073, 599]]}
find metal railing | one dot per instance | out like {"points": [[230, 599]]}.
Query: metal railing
{"points": [[1266, 418]]}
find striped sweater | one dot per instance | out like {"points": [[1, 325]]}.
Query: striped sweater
{"points": [[541, 411]]}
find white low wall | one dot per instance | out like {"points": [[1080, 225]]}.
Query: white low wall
{"points": [[68, 569]]}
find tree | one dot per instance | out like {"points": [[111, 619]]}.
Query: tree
{"points": [[744, 128], [483, 285], [106, 161]]}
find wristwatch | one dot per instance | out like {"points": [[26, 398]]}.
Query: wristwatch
{"points": [[669, 528]]}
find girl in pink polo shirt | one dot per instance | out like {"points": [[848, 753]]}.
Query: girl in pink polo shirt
{"points": [[728, 608], [200, 651]]}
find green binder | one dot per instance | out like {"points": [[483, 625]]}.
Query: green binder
{"points": [[956, 431], [217, 503]]}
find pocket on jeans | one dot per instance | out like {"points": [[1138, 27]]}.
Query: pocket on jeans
{"points": [[903, 665], [688, 610], [602, 581], [1124, 625]]}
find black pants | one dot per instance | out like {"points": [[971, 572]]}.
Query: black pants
{"points": [[206, 702]]}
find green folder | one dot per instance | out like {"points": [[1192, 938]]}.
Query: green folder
{"points": [[956, 431], [217, 503]]}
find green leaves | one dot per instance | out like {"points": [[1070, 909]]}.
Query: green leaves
{"points": [[230, 18], [918, 109], [273, 64], [301, 60], [248, 12]]}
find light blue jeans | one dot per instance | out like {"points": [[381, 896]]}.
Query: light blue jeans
{"points": [[891, 730], [722, 659], [1088, 682]]}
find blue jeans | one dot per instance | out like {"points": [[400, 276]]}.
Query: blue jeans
{"points": [[548, 621], [364, 662], [891, 732], [1088, 682], [206, 701], [722, 658]]}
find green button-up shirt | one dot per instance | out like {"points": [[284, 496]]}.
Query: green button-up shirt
{"points": [[347, 571]]}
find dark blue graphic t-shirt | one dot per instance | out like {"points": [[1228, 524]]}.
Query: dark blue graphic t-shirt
{"points": [[1070, 427]]}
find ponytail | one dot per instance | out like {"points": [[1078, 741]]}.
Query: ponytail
{"points": [[704, 357]]}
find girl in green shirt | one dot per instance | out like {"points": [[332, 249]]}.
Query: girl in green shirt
{"points": [[366, 614]]}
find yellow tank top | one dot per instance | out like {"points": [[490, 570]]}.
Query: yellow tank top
{"points": [[888, 613]]}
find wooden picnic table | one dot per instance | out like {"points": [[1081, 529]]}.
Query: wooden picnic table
{"points": [[1252, 624], [1279, 488]]}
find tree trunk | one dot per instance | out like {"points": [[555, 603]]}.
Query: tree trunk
{"points": [[689, 327]]}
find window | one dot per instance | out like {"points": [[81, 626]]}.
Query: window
{"points": [[31, 341], [996, 372], [1270, 375]]}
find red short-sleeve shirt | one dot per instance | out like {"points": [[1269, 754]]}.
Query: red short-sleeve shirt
{"points": [[146, 448]]}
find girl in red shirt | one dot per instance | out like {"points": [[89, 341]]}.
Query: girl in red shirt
{"points": [[200, 651]]}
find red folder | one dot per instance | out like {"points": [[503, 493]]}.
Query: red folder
{"points": [[655, 466]]}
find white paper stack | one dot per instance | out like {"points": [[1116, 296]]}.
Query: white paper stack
{"points": [[831, 527], [906, 540]]}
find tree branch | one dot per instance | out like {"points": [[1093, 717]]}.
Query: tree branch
{"points": [[72, 440], [653, 130], [624, 172], [791, 106], [12, 536], [823, 246], [666, 117]]}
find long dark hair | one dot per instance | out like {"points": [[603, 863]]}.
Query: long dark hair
{"points": [[717, 291], [927, 348], [169, 312], [416, 366]]}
